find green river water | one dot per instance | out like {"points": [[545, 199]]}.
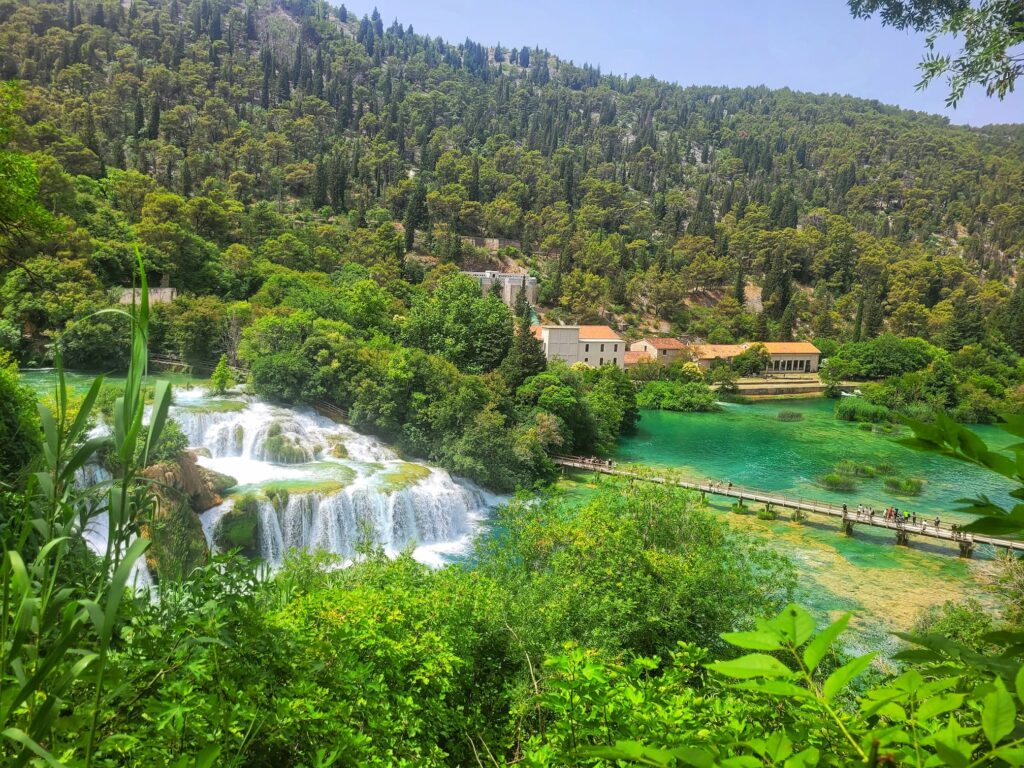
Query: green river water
{"points": [[886, 585]]}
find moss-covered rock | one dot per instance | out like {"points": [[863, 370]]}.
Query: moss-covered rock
{"points": [[282, 448], [239, 527], [400, 476], [218, 481]]}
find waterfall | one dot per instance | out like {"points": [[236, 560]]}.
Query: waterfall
{"points": [[335, 485], [434, 510]]}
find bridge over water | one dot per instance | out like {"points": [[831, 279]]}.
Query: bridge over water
{"points": [[848, 517]]}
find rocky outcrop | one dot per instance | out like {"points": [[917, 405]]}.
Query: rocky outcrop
{"points": [[183, 489]]}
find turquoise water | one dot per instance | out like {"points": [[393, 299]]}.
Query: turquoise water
{"points": [[749, 446], [887, 586]]}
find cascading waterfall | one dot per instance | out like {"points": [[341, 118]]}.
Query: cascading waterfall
{"points": [[429, 512], [322, 486]]}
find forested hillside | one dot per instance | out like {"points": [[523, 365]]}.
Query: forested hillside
{"points": [[224, 134], [306, 179]]}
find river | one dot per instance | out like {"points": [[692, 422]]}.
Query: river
{"points": [[336, 477], [887, 586]]}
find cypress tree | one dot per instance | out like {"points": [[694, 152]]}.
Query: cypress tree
{"points": [[153, 129], [1015, 318], [525, 357]]}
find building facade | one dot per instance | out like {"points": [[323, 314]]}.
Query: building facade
{"points": [[508, 284], [786, 356], [594, 345], [663, 349]]}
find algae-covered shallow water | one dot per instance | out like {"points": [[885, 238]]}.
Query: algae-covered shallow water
{"points": [[887, 586], [749, 446]]}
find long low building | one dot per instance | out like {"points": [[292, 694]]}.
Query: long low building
{"points": [[785, 356], [595, 345]]}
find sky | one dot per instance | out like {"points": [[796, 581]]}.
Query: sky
{"points": [[806, 45]]}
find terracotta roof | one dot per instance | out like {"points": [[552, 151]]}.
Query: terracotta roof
{"points": [[664, 342], [791, 348], [598, 332], [709, 351], [632, 358], [537, 332], [587, 332]]}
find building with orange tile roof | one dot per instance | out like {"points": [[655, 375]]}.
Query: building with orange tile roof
{"points": [[664, 349], [786, 356]]}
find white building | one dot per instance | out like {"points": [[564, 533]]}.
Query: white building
{"points": [[595, 345], [509, 285]]}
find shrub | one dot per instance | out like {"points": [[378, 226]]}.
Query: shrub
{"points": [[834, 481], [767, 513], [676, 396], [904, 486], [790, 416], [857, 409], [239, 527]]}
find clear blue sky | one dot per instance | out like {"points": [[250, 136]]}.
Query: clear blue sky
{"points": [[806, 45]]}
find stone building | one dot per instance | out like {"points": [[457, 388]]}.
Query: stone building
{"points": [[594, 345]]}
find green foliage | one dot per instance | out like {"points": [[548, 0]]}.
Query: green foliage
{"points": [[904, 486], [858, 409], [835, 481], [677, 396], [19, 424], [789, 416], [222, 379], [239, 527]]}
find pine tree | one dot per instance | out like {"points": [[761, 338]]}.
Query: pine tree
{"points": [[284, 89], [140, 118], [522, 307], [788, 322], [761, 332], [153, 129], [525, 358], [415, 213], [739, 290], [1015, 318], [221, 379]]}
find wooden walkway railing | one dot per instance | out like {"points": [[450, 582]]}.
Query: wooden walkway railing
{"points": [[849, 517]]}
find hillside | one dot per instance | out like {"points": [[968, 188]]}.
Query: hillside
{"points": [[264, 123]]}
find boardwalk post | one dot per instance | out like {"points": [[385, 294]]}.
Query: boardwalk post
{"points": [[902, 537], [966, 547], [847, 525]]}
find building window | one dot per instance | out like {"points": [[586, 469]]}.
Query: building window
{"points": [[602, 347], [664, 352], [615, 347], [602, 361], [587, 349]]}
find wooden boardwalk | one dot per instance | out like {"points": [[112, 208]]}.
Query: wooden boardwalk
{"points": [[848, 517]]}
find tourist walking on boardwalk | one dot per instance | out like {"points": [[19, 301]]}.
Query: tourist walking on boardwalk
{"points": [[936, 521]]}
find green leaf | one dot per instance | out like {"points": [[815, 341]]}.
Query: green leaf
{"points": [[998, 714], [775, 688], [795, 623], [85, 409], [635, 752], [806, 759], [939, 705], [751, 665], [842, 676], [161, 402], [1019, 684], [754, 641], [19, 736], [820, 645]]}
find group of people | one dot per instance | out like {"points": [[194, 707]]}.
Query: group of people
{"points": [[894, 514]]}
